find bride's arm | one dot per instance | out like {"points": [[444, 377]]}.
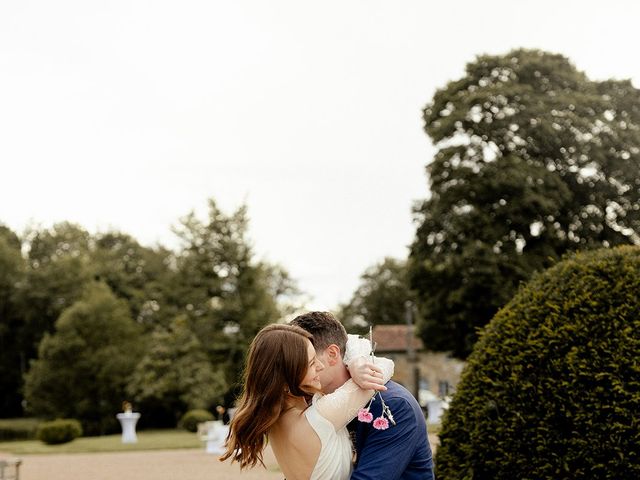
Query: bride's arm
{"points": [[341, 406], [362, 364]]}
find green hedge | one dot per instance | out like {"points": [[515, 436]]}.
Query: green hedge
{"points": [[18, 428], [552, 388], [59, 431], [192, 418]]}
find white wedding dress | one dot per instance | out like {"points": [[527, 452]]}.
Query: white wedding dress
{"points": [[329, 415]]}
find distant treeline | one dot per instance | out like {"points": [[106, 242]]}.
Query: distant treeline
{"points": [[89, 321]]}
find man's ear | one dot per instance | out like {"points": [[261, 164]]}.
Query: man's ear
{"points": [[333, 354]]}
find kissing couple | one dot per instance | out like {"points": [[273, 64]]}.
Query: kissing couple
{"points": [[309, 388]]}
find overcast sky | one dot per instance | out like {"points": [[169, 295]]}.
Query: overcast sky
{"points": [[129, 114]]}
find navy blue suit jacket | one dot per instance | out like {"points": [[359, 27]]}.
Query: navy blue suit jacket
{"points": [[400, 452]]}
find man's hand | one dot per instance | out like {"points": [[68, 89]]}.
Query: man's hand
{"points": [[365, 374]]}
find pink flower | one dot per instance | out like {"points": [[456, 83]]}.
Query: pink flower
{"points": [[364, 415], [380, 423]]}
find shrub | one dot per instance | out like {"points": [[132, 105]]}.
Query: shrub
{"points": [[59, 431], [192, 418], [552, 389], [18, 428]]}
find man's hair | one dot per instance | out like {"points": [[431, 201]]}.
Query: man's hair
{"points": [[325, 328]]}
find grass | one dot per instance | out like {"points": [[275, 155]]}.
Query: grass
{"points": [[147, 440]]}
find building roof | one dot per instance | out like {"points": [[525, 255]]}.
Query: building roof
{"points": [[393, 338]]}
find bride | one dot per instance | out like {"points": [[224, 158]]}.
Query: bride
{"points": [[309, 440]]}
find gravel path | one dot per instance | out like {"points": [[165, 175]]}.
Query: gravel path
{"points": [[153, 465], [150, 465]]}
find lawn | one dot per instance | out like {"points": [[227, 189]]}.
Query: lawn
{"points": [[147, 440]]}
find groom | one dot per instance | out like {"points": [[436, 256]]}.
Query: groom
{"points": [[401, 452]]}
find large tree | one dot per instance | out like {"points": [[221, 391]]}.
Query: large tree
{"points": [[175, 375], [381, 297], [138, 274], [83, 367], [12, 360], [226, 294], [58, 269], [212, 279], [534, 159], [60, 261]]}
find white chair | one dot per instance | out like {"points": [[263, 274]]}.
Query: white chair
{"points": [[215, 436], [6, 465]]}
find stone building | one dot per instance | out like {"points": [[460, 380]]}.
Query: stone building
{"points": [[434, 371]]}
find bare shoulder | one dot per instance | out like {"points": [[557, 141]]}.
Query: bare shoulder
{"points": [[299, 429], [293, 427], [295, 444]]}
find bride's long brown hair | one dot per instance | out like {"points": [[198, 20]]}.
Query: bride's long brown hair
{"points": [[276, 365]]}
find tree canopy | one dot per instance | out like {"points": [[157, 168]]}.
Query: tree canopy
{"points": [[175, 375], [12, 362], [225, 293], [381, 297], [83, 367], [201, 304], [533, 159]]}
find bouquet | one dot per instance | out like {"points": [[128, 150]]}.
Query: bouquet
{"points": [[364, 414]]}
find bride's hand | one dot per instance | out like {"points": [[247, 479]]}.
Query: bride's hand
{"points": [[365, 374]]}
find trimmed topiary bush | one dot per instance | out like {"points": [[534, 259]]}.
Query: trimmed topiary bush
{"points": [[192, 418], [552, 388], [59, 431]]}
